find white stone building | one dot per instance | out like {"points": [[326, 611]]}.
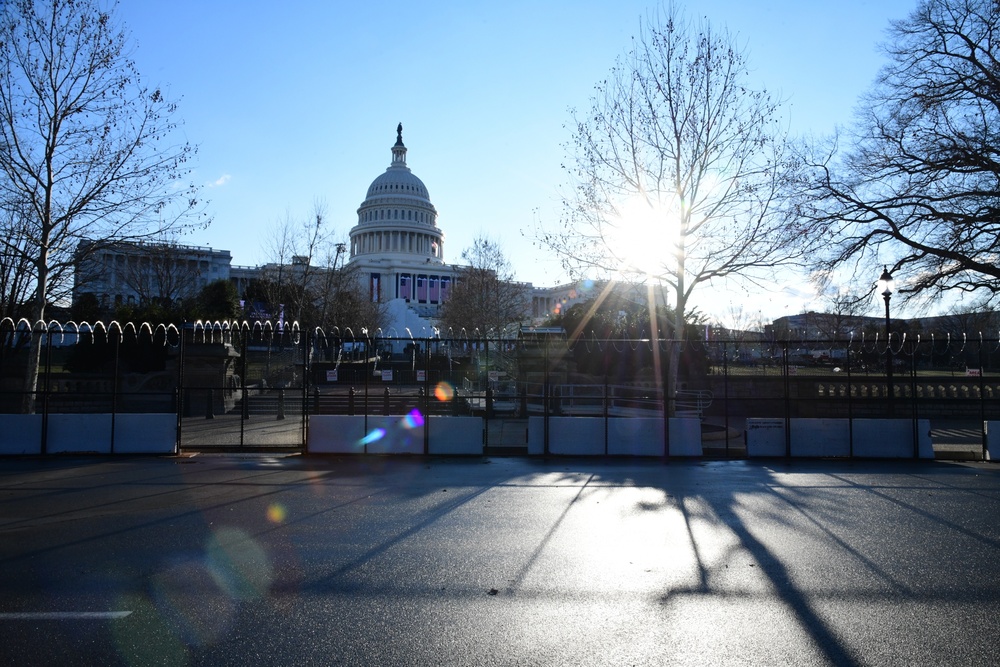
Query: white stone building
{"points": [[127, 272], [397, 249]]}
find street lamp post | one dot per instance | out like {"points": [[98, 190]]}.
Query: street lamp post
{"points": [[885, 284]]}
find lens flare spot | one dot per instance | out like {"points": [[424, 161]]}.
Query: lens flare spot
{"points": [[376, 435], [238, 564], [444, 392], [413, 420], [276, 513]]}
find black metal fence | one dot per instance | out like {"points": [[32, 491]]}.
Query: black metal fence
{"points": [[244, 385]]}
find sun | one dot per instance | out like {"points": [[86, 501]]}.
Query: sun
{"points": [[643, 237]]}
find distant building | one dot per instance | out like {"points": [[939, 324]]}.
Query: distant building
{"points": [[134, 272], [397, 248], [821, 326]]}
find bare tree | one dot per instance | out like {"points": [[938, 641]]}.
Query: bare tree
{"points": [[917, 184], [88, 147], [16, 283], [293, 276], [678, 166], [306, 276], [485, 295], [161, 272]]}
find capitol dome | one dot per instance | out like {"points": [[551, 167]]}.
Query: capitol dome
{"points": [[397, 217]]}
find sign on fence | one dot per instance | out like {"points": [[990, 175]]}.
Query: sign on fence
{"points": [[421, 376], [387, 375], [331, 376], [973, 372]]}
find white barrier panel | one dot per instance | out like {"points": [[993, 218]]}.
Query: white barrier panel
{"points": [[891, 438], [395, 434], [820, 437], [568, 436], [765, 437], [873, 438], [992, 440], [536, 436], [639, 436], [153, 433], [20, 434], [685, 436], [576, 436], [78, 434], [455, 435], [336, 434]]}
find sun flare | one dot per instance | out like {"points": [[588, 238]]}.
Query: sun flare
{"points": [[643, 237]]}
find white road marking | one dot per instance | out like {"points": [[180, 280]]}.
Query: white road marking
{"points": [[61, 615]]}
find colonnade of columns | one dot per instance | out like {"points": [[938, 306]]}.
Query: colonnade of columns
{"points": [[396, 241]]}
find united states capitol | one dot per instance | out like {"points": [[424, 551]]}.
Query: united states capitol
{"points": [[394, 257]]}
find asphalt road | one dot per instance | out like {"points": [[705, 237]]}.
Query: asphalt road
{"points": [[230, 560]]}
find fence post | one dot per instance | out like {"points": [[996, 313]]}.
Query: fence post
{"points": [[45, 394], [281, 404], [725, 392], [605, 411], [982, 397], [788, 400], [350, 402], [913, 398], [422, 407], [546, 390], [114, 388], [385, 402], [179, 401], [850, 406]]}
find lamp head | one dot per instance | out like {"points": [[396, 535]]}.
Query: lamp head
{"points": [[885, 283]]}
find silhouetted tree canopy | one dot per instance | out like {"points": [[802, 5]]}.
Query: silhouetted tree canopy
{"points": [[916, 183]]}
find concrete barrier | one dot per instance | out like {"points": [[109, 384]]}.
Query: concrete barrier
{"points": [[891, 438], [685, 436], [344, 434], [765, 437], [575, 436], [455, 435], [336, 434], [631, 436], [20, 434], [395, 434], [79, 434], [536, 436], [872, 438], [134, 433], [403, 434], [639, 436], [146, 433], [815, 438], [992, 440]]}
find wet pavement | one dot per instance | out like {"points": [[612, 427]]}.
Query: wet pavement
{"points": [[249, 559]]}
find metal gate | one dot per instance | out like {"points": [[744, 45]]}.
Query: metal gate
{"points": [[242, 387]]}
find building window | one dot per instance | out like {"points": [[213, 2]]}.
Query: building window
{"points": [[432, 288]]}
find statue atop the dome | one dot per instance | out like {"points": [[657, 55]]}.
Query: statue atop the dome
{"points": [[399, 134]]}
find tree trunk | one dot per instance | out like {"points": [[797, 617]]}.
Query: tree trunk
{"points": [[37, 315]]}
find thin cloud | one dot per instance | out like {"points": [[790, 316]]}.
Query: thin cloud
{"points": [[219, 182]]}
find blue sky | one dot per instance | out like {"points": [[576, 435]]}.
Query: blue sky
{"points": [[297, 102]]}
